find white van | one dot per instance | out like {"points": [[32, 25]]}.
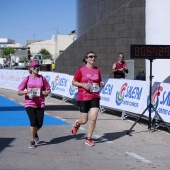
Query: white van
{"points": [[37, 56]]}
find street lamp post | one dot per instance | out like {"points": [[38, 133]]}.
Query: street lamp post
{"points": [[10, 61]]}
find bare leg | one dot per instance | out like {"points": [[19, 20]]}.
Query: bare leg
{"points": [[83, 118], [32, 132], [36, 129], [92, 123]]}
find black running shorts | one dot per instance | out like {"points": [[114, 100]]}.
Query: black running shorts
{"points": [[85, 106]]}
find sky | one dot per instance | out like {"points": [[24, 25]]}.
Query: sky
{"points": [[23, 20]]}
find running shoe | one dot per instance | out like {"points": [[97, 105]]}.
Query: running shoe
{"points": [[75, 128], [89, 142], [32, 145], [36, 138]]}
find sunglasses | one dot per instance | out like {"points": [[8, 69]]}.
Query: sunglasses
{"points": [[91, 56], [36, 67]]}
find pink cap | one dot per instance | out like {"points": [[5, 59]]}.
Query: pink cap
{"points": [[34, 63]]}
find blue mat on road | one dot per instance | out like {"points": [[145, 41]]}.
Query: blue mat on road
{"points": [[13, 114]]}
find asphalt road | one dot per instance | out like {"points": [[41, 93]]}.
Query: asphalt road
{"points": [[60, 150]]}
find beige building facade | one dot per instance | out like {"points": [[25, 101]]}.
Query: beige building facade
{"points": [[55, 46]]}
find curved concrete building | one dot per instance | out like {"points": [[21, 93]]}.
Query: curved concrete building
{"points": [[106, 27]]}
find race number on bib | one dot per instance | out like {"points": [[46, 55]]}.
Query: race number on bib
{"points": [[94, 87], [34, 91]]}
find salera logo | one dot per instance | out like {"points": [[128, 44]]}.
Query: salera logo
{"points": [[72, 90], [54, 83], [120, 95], [155, 98]]}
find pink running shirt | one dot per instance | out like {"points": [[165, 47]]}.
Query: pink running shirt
{"points": [[83, 74], [37, 82]]}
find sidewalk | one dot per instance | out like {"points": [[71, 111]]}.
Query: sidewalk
{"points": [[60, 150]]}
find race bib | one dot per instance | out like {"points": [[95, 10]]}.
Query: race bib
{"points": [[94, 87], [35, 91]]}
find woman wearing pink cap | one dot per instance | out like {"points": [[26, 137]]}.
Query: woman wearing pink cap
{"points": [[35, 88]]}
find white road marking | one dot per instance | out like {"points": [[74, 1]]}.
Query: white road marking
{"points": [[21, 103], [2, 95], [60, 118], [102, 139], [57, 117], [46, 113], [82, 128], [63, 120], [138, 157], [11, 99]]}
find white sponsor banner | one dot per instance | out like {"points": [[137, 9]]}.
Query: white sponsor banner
{"points": [[121, 94], [71, 91], [61, 84], [10, 79], [107, 93], [128, 95], [161, 101], [57, 81]]}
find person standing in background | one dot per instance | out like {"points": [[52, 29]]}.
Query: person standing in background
{"points": [[88, 80], [53, 66], [119, 68], [41, 61], [35, 88]]}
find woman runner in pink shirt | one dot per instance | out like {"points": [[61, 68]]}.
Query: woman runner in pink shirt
{"points": [[88, 80], [35, 88]]}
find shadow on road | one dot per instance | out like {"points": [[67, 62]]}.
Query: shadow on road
{"points": [[108, 136], [5, 142], [62, 139], [111, 136]]}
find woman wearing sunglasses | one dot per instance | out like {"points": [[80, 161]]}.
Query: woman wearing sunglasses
{"points": [[88, 80], [35, 88]]}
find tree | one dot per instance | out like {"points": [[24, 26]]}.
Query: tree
{"points": [[23, 59], [46, 54], [7, 51]]}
